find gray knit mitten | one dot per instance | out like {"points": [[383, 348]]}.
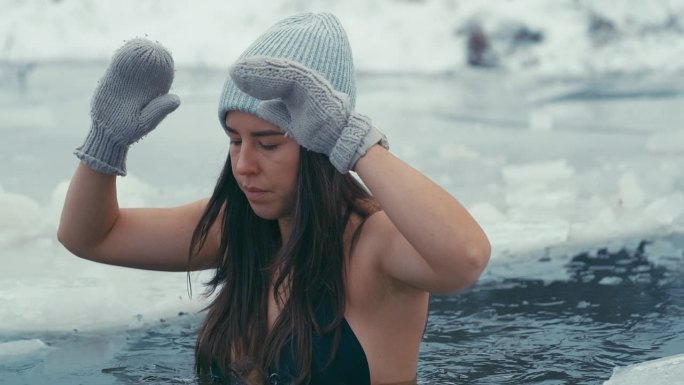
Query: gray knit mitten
{"points": [[130, 100], [305, 105]]}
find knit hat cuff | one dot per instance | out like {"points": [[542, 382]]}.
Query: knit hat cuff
{"points": [[236, 100]]}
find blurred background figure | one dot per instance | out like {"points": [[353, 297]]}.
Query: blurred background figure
{"points": [[479, 49]]}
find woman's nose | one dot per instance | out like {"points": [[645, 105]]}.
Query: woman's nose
{"points": [[247, 162]]}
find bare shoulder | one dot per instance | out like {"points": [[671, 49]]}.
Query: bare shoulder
{"points": [[373, 234], [396, 261], [384, 248], [375, 301], [377, 230]]}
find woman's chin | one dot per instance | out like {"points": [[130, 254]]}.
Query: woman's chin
{"points": [[271, 212], [264, 213]]}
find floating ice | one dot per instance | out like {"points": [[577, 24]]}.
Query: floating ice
{"points": [[664, 371], [20, 348], [20, 219]]}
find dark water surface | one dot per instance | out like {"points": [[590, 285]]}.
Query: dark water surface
{"points": [[615, 308], [606, 308]]}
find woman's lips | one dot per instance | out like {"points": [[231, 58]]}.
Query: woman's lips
{"points": [[254, 193]]}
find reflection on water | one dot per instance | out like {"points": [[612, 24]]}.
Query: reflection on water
{"points": [[615, 308]]}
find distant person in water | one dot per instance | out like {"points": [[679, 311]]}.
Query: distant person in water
{"points": [[318, 278]]}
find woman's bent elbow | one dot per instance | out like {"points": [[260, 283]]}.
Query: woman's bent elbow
{"points": [[65, 240], [473, 263], [482, 254], [70, 241]]}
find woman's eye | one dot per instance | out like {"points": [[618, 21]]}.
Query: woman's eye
{"points": [[235, 142], [268, 146]]}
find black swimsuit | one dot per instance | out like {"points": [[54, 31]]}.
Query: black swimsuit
{"points": [[349, 365]]}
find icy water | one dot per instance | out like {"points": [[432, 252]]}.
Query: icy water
{"points": [[576, 181], [612, 308]]}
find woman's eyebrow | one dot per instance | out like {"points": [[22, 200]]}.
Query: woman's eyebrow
{"points": [[258, 133]]}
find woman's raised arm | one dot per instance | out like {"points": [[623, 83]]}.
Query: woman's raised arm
{"points": [[130, 100], [427, 238], [93, 227]]}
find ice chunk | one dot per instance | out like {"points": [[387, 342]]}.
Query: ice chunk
{"points": [[20, 218], [668, 370], [14, 349]]}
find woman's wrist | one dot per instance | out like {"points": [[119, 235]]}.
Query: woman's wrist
{"points": [[373, 138], [370, 153]]}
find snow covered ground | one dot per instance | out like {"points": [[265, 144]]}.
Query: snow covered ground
{"points": [[569, 37]]}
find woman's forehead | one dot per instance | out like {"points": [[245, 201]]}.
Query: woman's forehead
{"points": [[240, 122]]}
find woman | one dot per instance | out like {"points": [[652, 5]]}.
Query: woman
{"points": [[317, 281]]}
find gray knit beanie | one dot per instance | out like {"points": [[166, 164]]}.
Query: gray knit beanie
{"points": [[316, 40]]}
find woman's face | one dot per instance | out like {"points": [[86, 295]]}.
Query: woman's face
{"points": [[265, 164]]}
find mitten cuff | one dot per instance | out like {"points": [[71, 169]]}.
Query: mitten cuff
{"points": [[102, 154], [357, 137]]}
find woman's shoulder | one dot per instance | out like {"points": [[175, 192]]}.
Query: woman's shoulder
{"points": [[370, 233], [377, 226]]}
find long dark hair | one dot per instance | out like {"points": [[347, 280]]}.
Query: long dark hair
{"points": [[309, 266]]}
